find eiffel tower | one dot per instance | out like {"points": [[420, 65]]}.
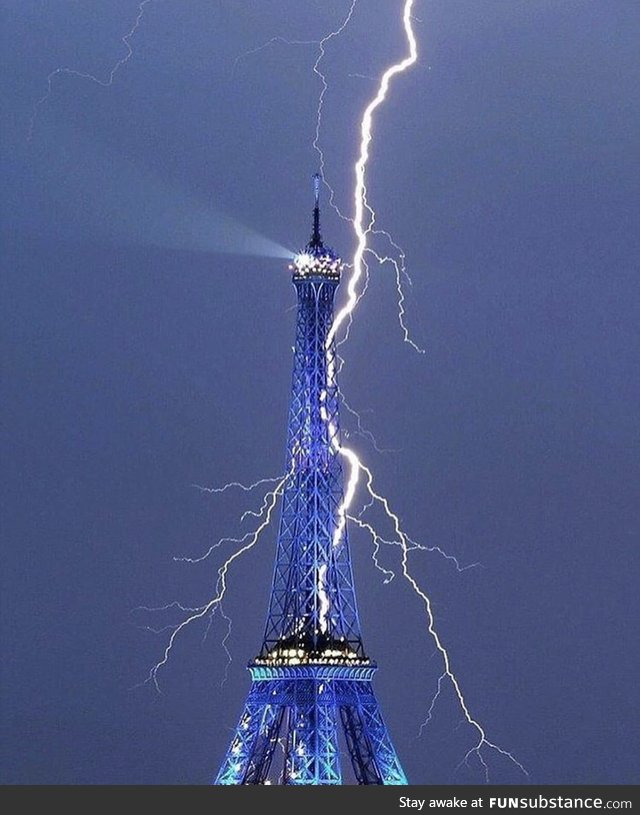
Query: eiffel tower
{"points": [[311, 703]]}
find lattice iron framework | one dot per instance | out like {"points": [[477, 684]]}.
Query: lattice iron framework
{"points": [[312, 680]]}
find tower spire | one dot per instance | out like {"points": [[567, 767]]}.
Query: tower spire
{"points": [[316, 237], [316, 260]]}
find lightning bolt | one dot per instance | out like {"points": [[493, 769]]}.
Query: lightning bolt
{"points": [[405, 547], [388, 574], [364, 226], [105, 83], [201, 612], [325, 85], [399, 262], [219, 609], [361, 429], [436, 696], [273, 41], [378, 540], [363, 223], [237, 485], [400, 270], [259, 514], [355, 292]]}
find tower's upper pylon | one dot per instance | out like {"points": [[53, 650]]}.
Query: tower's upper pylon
{"points": [[316, 260]]}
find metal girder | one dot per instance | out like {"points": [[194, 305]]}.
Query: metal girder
{"points": [[304, 705]]}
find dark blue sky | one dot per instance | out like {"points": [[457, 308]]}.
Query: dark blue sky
{"points": [[138, 359]]}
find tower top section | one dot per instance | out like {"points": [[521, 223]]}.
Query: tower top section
{"points": [[316, 261]]}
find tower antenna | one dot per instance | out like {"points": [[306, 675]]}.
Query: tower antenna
{"points": [[316, 237]]}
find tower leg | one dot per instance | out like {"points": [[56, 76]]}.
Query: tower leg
{"points": [[373, 756], [362, 758], [251, 750], [304, 703], [312, 741], [265, 745]]}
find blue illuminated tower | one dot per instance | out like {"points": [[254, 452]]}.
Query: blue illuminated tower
{"points": [[311, 694]]}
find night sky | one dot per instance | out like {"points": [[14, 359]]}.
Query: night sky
{"points": [[147, 326]]}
